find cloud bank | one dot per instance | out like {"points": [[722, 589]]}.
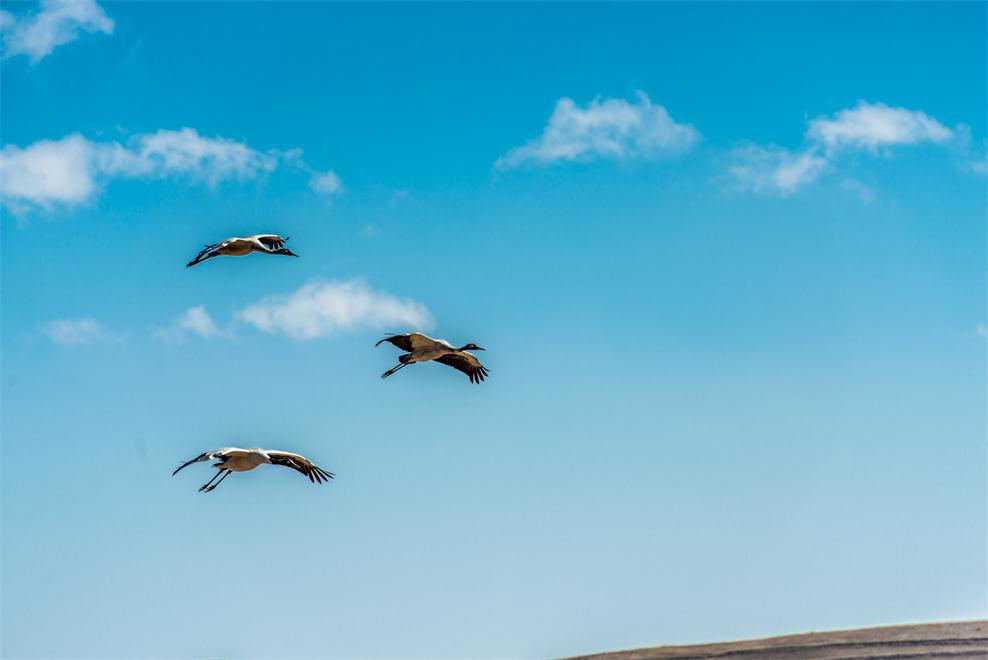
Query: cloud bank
{"points": [[57, 22], [612, 128], [324, 308]]}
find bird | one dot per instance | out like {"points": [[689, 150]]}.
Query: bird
{"points": [[235, 459], [420, 348], [238, 247]]}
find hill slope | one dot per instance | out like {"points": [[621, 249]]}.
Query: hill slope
{"points": [[966, 640]]}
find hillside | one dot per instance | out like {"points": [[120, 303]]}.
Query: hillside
{"points": [[966, 640]]}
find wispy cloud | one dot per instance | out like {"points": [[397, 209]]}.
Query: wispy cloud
{"points": [[868, 126], [874, 125], [974, 160], [864, 192], [326, 183], [774, 170], [193, 321], [76, 332], [323, 308], [47, 173], [56, 22], [612, 128], [184, 153], [74, 169]]}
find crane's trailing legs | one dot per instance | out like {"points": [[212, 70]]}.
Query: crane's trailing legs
{"points": [[205, 488], [213, 487], [391, 371]]}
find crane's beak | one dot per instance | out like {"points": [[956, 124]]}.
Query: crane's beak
{"points": [[290, 253], [480, 349]]}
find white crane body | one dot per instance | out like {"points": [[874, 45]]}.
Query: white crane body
{"points": [[239, 247], [422, 348], [235, 459]]}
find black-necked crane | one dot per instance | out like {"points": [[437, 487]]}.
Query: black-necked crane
{"points": [[420, 348], [235, 459], [238, 247]]}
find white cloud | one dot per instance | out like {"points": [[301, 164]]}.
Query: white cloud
{"points": [[47, 172], [612, 128], [75, 332], [981, 330], [195, 321], [184, 152], [326, 183], [874, 125], [868, 126], [323, 308], [774, 170], [73, 169], [974, 160], [56, 23], [864, 192]]}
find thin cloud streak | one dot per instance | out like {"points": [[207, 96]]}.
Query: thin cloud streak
{"points": [[76, 332]]}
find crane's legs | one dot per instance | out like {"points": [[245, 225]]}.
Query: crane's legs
{"points": [[206, 485], [391, 371], [213, 487]]}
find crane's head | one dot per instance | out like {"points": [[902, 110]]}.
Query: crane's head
{"points": [[471, 347], [286, 252]]}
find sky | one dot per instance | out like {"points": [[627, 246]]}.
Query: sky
{"points": [[727, 261]]}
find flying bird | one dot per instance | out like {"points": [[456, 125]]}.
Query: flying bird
{"points": [[419, 348], [235, 459], [238, 247]]}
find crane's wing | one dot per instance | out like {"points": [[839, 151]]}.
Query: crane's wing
{"points": [[467, 363], [409, 341], [270, 241], [300, 464], [205, 253]]}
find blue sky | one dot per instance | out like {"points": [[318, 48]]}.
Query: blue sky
{"points": [[728, 262]]}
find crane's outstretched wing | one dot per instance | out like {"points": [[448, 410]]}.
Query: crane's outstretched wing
{"points": [[467, 363], [409, 341], [207, 252], [270, 241], [301, 464]]}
